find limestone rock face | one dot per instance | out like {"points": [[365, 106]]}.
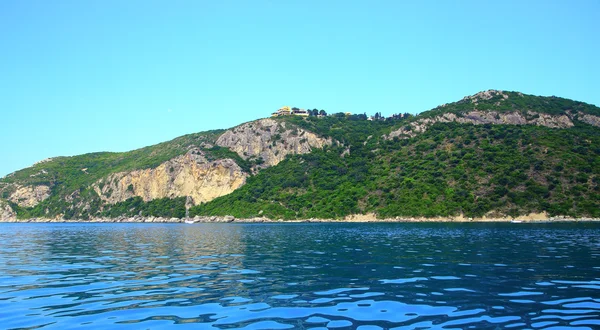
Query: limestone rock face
{"points": [[270, 140], [29, 196], [485, 117], [187, 175], [6, 212], [589, 119], [516, 118]]}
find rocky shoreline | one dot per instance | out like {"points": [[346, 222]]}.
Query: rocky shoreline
{"points": [[231, 219]]}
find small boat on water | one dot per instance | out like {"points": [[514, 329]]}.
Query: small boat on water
{"points": [[516, 221], [189, 221]]}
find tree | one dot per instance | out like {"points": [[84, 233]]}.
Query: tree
{"points": [[322, 113]]}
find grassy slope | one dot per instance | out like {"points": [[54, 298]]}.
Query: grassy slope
{"points": [[68, 170], [65, 174]]}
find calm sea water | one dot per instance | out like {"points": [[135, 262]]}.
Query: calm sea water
{"points": [[284, 276]]}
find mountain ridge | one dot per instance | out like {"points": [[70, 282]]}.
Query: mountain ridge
{"points": [[97, 184]]}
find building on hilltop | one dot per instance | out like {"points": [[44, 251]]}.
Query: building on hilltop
{"points": [[299, 112], [283, 111], [287, 111]]}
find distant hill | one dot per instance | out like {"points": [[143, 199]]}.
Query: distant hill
{"points": [[491, 154]]}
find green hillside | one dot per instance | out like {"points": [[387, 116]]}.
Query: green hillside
{"points": [[66, 175], [449, 169]]}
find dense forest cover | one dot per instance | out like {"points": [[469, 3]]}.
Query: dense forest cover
{"points": [[450, 169]]}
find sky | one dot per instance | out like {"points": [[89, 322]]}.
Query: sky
{"points": [[103, 75]]}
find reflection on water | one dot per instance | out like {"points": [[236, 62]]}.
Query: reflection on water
{"points": [[283, 276]]}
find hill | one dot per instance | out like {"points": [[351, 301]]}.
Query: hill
{"points": [[491, 154]]}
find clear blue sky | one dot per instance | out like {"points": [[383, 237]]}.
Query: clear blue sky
{"points": [[85, 76]]}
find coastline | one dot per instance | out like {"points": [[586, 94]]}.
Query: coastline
{"points": [[350, 219]]}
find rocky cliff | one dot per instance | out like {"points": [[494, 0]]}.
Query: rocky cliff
{"points": [[187, 175], [194, 175], [29, 196], [270, 140], [589, 119], [481, 117], [6, 212]]}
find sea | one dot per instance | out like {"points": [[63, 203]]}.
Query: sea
{"points": [[300, 276]]}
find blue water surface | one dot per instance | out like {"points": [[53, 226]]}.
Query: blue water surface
{"points": [[300, 276]]}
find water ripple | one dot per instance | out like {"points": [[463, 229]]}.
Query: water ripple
{"points": [[285, 276]]}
